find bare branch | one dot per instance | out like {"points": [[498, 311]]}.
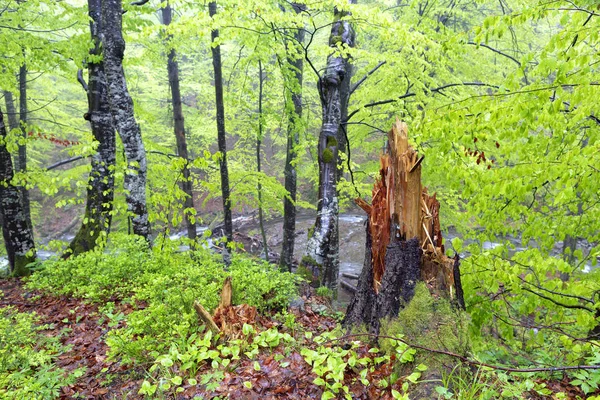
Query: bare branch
{"points": [[139, 2], [496, 51], [412, 94], [64, 162], [81, 80], [364, 78]]}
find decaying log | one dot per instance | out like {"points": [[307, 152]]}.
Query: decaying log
{"points": [[404, 239]]}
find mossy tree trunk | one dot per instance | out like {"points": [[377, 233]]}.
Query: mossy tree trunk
{"points": [[17, 233], [404, 240], [323, 245], [101, 181]]}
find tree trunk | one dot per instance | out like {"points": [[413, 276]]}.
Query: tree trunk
{"points": [[178, 122], [216, 58], [404, 240], [293, 76], [121, 107], [101, 181], [344, 100], [17, 233], [22, 159], [259, 136], [323, 245]]}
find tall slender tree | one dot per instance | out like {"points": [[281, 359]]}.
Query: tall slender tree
{"points": [[323, 245], [17, 233], [101, 181], [178, 122], [121, 107], [259, 137], [216, 58], [22, 159], [293, 72]]}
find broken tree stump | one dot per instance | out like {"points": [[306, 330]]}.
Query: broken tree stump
{"points": [[227, 319], [404, 240]]}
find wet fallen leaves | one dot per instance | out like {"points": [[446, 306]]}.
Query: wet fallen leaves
{"points": [[83, 329]]}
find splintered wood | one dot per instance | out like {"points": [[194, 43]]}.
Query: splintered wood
{"points": [[227, 319], [401, 209]]}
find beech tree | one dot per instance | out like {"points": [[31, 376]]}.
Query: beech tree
{"points": [[179, 126], [100, 191], [121, 107], [17, 233], [293, 72], [323, 245], [221, 134]]}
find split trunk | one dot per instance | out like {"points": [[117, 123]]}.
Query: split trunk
{"points": [[404, 240]]}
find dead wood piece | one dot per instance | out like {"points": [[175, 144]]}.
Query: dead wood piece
{"points": [[226, 293], [348, 286], [349, 276], [206, 317]]}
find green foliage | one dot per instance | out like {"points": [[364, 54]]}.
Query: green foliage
{"points": [[431, 322], [162, 284], [27, 369]]}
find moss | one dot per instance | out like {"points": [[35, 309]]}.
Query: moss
{"points": [[335, 39], [327, 156], [21, 263], [311, 231], [430, 322], [331, 141], [305, 273], [308, 261]]}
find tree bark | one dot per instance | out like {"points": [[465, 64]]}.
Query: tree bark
{"points": [[294, 76], [323, 245], [404, 240], [101, 181], [121, 107], [344, 100], [22, 159], [259, 136], [17, 233], [221, 135], [179, 127]]}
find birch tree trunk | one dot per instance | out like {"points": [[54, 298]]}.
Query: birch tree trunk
{"points": [[222, 142], [17, 233], [121, 107], [294, 76], [179, 126], [101, 181]]}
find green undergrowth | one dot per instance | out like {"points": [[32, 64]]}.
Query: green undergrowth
{"points": [[27, 368], [161, 284]]}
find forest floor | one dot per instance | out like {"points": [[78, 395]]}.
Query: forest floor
{"points": [[274, 374]]}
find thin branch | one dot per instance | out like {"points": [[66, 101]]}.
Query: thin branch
{"points": [[364, 78], [474, 362], [412, 94], [558, 303], [64, 162], [139, 2], [572, 296], [81, 80], [496, 51]]}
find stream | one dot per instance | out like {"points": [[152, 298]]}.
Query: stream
{"points": [[352, 241]]}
